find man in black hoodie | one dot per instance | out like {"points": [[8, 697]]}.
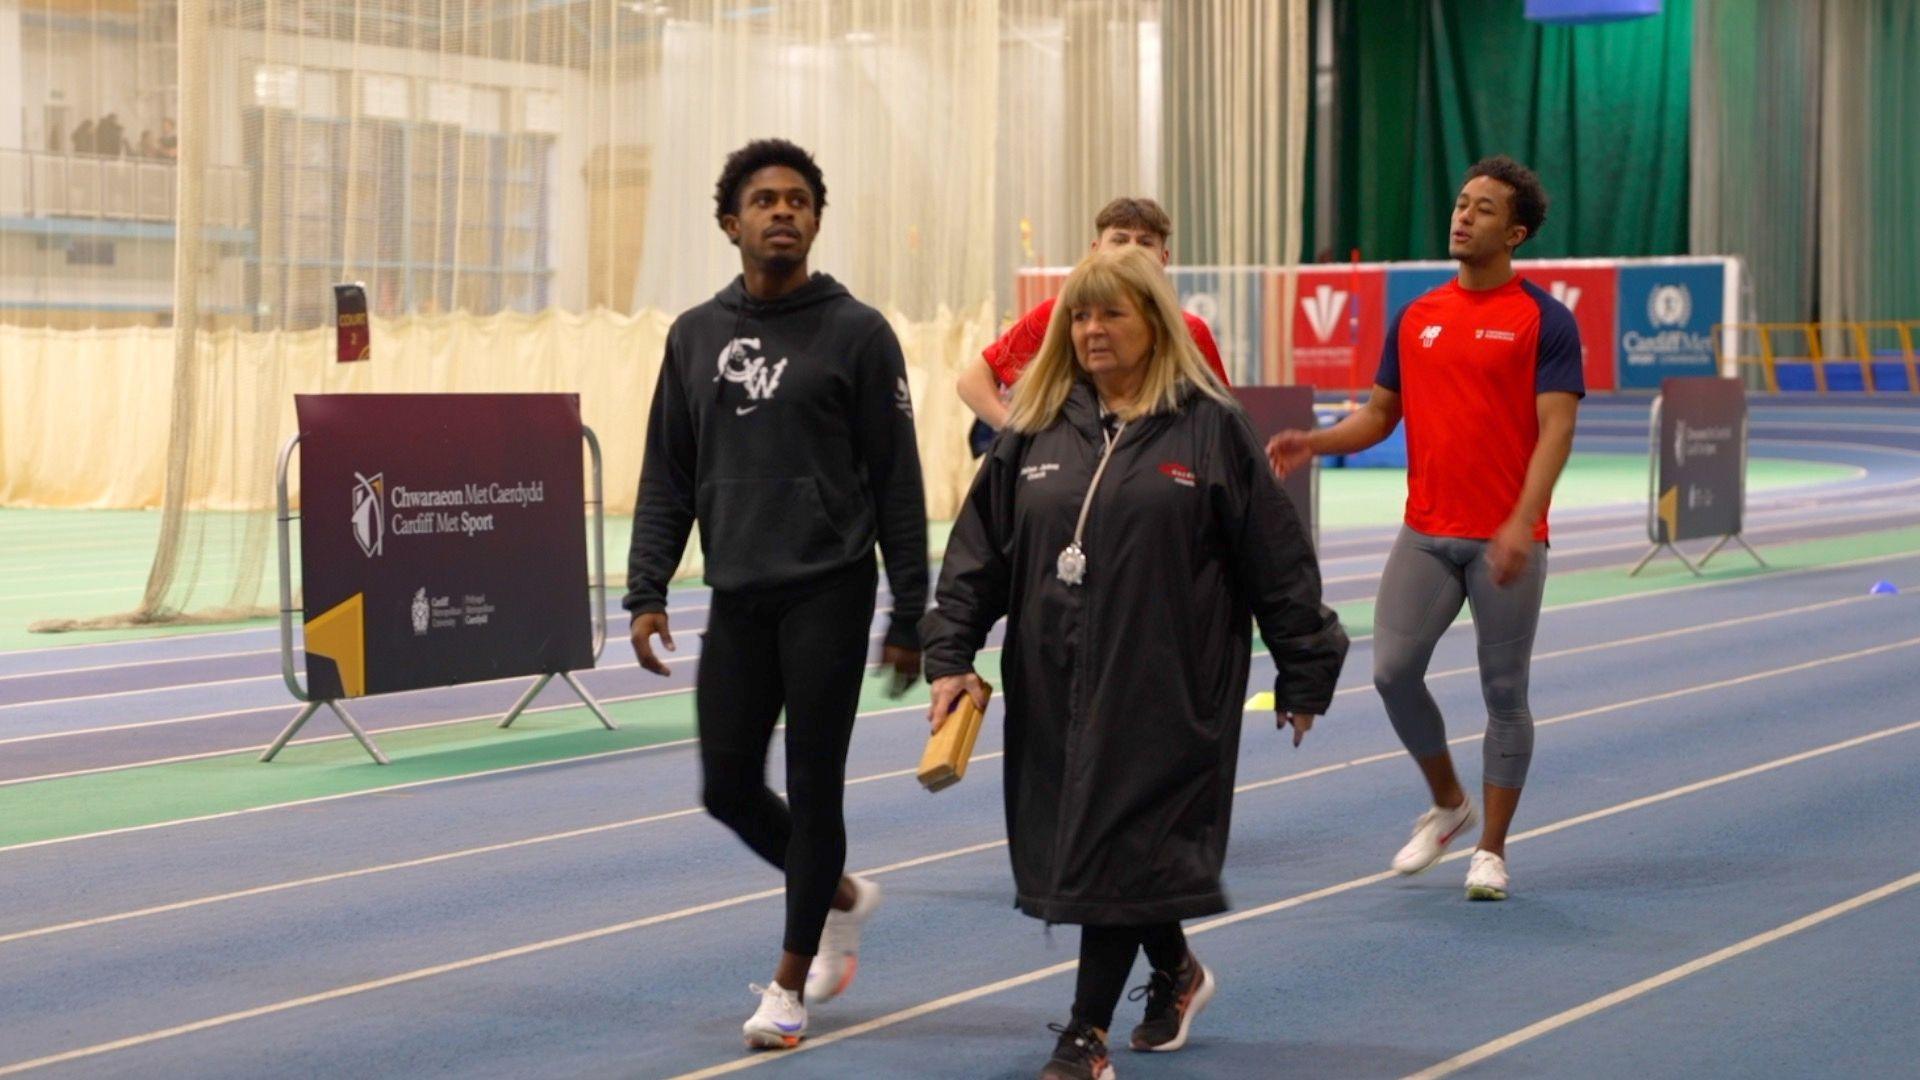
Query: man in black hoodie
{"points": [[783, 424]]}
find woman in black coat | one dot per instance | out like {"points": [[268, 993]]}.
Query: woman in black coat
{"points": [[1127, 525]]}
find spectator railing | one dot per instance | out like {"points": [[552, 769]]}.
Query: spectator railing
{"points": [[45, 185], [1826, 356]]}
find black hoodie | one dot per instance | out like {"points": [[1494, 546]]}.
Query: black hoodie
{"points": [[786, 428]]}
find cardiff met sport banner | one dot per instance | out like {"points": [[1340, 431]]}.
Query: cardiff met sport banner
{"points": [[1667, 315], [443, 539]]}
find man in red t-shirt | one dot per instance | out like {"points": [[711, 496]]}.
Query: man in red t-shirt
{"points": [[1122, 222], [1486, 372]]}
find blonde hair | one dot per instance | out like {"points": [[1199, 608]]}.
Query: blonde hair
{"points": [[1102, 278]]}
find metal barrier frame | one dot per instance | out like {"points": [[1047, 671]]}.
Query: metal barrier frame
{"points": [[596, 587], [1653, 502]]}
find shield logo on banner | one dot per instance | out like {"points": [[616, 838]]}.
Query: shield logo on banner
{"points": [[369, 521], [1669, 305]]}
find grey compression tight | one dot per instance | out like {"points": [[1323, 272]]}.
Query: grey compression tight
{"points": [[1426, 580]]}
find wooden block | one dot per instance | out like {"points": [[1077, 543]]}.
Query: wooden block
{"points": [[944, 762]]}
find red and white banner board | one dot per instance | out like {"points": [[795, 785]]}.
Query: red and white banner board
{"points": [[1341, 312]]}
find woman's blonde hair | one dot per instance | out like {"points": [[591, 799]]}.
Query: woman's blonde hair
{"points": [[1102, 278]]}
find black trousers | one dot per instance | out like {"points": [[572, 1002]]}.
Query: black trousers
{"points": [[1106, 958], [803, 649]]}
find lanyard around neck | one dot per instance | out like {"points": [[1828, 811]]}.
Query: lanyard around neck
{"points": [[1071, 566]]}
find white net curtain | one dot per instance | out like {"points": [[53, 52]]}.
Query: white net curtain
{"points": [[526, 189]]}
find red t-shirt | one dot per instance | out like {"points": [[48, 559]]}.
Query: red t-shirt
{"points": [[1468, 365], [1009, 355]]}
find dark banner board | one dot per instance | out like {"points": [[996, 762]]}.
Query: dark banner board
{"points": [[1702, 483], [350, 323], [443, 539], [1271, 410]]}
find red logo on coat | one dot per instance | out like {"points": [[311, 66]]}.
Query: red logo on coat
{"points": [[1178, 473]]}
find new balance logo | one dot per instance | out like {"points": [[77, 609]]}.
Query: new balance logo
{"points": [[1323, 310], [1428, 335], [1565, 293], [754, 373]]}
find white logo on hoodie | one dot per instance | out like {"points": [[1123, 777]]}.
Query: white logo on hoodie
{"points": [[760, 379]]}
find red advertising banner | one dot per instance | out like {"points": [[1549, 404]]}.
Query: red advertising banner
{"points": [[1592, 293], [1339, 322], [443, 539]]}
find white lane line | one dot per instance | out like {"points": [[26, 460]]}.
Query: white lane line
{"points": [[484, 773], [1574, 606], [570, 834], [428, 860], [1373, 540], [670, 659], [938, 1004], [123, 666], [1577, 605], [1748, 578], [894, 1019], [282, 709], [266, 627], [311, 740], [1674, 974], [1775, 516], [1907, 513], [470, 962]]}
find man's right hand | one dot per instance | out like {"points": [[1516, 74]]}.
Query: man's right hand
{"points": [[644, 629], [1288, 451]]}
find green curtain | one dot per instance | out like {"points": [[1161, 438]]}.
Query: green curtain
{"points": [[1427, 87], [1893, 162], [1805, 157], [1873, 206], [1756, 148]]}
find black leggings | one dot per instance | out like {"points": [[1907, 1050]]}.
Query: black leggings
{"points": [[806, 649], [1106, 959]]}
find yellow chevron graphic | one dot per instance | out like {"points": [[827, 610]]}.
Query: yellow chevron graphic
{"points": [[1670, 511], [340, 635]]}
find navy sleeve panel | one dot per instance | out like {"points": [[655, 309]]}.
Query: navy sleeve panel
{"points": [[1558, 366], [1388, 374]]}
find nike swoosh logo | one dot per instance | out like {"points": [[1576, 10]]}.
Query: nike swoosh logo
{"points": [[788, 1028], [742, 410]]}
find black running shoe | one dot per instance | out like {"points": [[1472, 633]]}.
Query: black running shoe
{"points": [[1173, 1000], [1081, 1054]]}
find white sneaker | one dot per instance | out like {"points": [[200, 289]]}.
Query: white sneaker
{"points": [[779, 1023], [1432, 833], [839, 956], [1487, 877]]}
